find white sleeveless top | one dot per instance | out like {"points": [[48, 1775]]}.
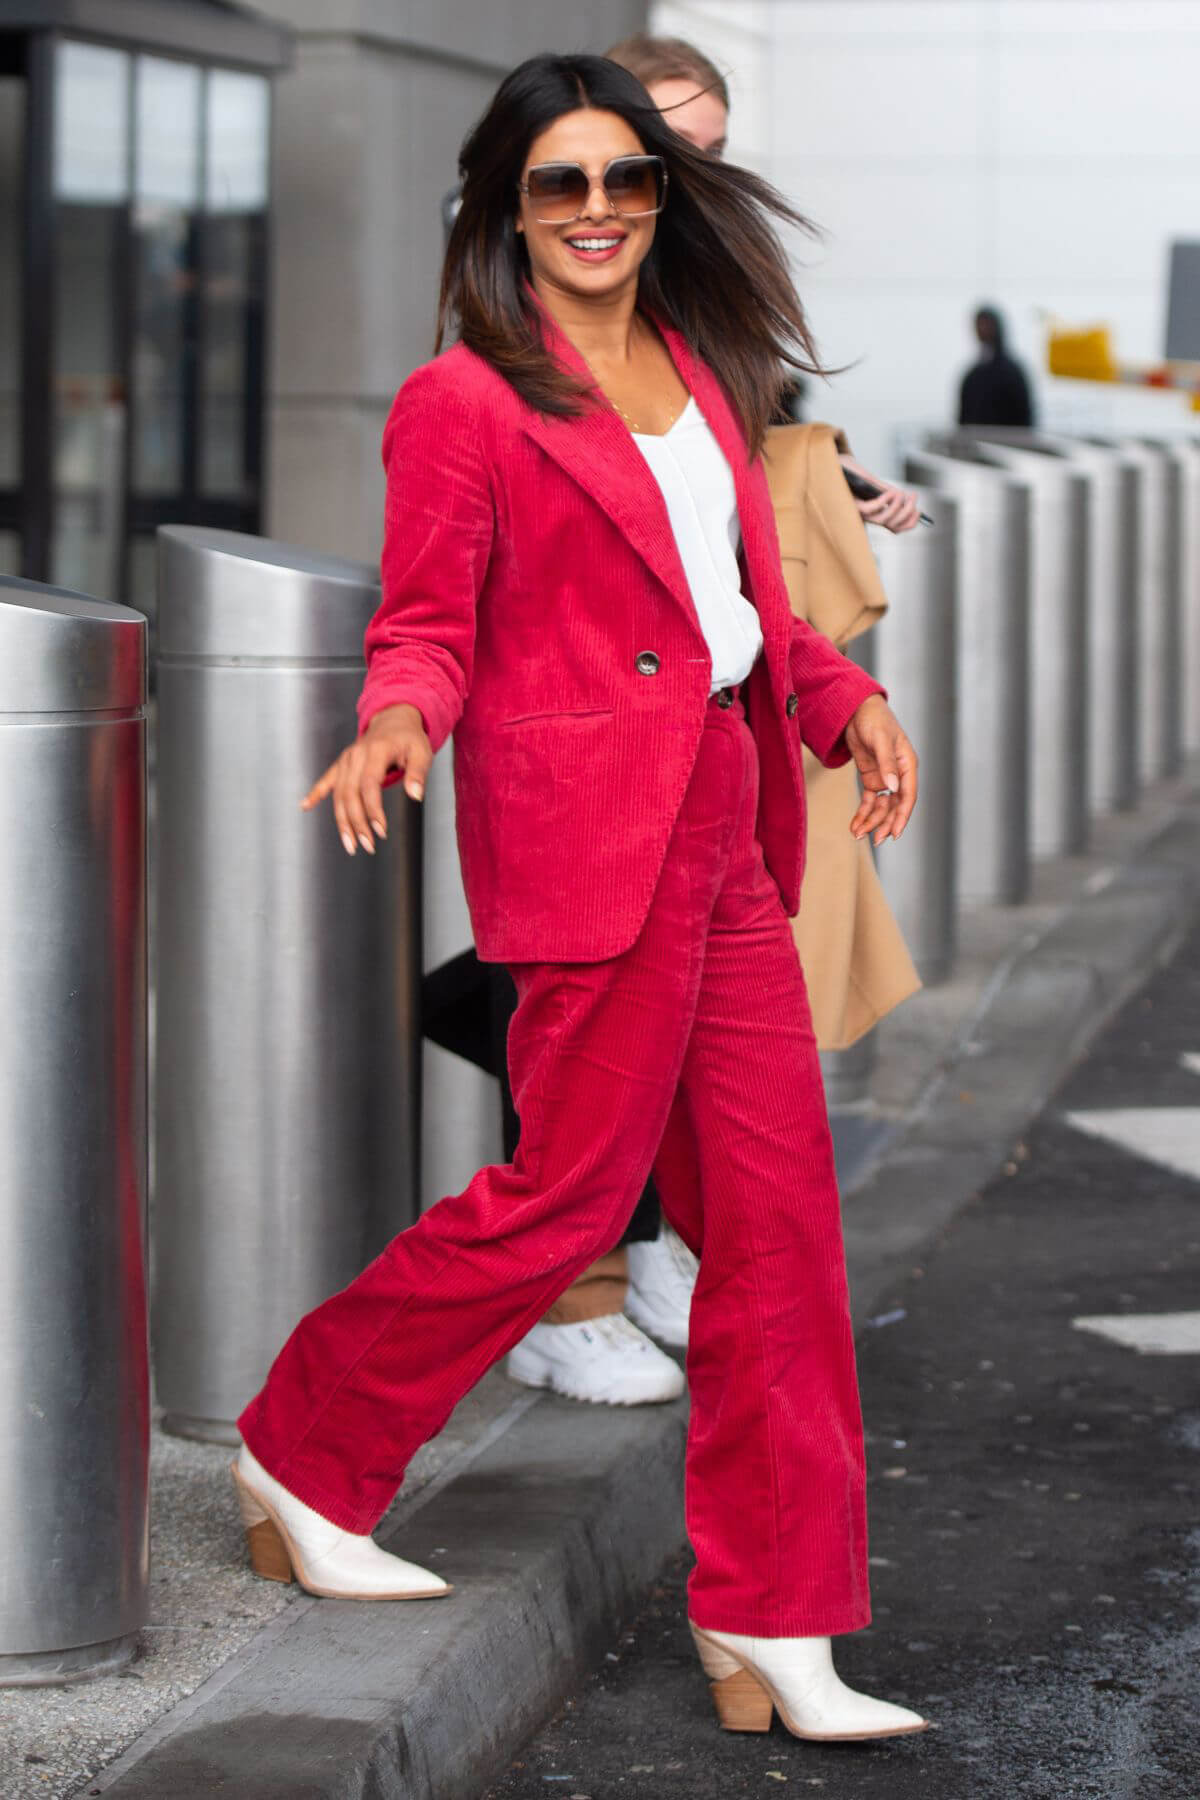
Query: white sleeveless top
{"points": [[697, 485]]}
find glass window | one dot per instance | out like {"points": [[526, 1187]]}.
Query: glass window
{"points": [[91, 124], [232, 331], [238, 127], [12, 128], [167, 160], [91, 186], [167, 192]]}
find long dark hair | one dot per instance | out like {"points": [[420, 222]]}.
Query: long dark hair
{"points": [[716, 271]]}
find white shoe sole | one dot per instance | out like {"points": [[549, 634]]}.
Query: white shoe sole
{"points": [[533, 1371]]}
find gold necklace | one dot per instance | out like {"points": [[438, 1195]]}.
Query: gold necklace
{"points": [[635, 427]]}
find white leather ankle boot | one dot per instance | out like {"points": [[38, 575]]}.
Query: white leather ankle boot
{"points": [[287, 1538], [749, 1677]]}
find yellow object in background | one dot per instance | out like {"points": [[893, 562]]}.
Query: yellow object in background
{"points": [[1082, 355]]}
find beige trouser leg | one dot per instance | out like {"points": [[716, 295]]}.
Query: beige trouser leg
{"points": [[599, 1290]]}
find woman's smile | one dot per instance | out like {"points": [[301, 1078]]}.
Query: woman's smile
{"points": [[595, 246]]}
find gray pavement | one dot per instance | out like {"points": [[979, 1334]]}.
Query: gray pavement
{"points": [[527, 1502], [1035, 1543]]}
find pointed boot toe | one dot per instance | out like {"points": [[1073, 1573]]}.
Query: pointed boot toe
{"points": [[750, 1678], [288, 1541]]}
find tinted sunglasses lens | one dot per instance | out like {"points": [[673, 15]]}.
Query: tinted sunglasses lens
{"points": [[635, 184], [556, 191]]}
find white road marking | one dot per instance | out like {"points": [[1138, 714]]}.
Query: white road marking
{"points": [[1150, 1334], [1167, 1135]]}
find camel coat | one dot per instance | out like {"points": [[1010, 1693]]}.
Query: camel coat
{"points": [[855, 961]]}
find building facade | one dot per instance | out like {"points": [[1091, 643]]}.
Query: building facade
{"points": [[369, 121]]}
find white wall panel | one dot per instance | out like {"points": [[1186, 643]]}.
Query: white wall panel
{"points": [[1089, 222], [1039, 154], [890, 242], [875, 102], [1080, 95]]}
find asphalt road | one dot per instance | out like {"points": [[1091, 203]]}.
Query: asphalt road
{"points": [[1035, 1527]]}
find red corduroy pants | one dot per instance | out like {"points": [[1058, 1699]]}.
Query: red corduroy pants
{"points": [[692, 1052]]}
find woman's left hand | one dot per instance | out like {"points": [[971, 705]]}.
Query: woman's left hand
{"points": [[887, 768], [894, 507]]}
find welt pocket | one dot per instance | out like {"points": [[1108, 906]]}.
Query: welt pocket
{"points": [[557, 716]]}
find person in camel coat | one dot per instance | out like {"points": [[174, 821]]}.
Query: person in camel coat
{"points": [[855, 960]]}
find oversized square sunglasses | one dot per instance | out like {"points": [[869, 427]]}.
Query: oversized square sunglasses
{"points": [[558, 192]]}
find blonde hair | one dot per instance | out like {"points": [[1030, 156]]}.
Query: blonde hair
{"points": [[654, 59]]}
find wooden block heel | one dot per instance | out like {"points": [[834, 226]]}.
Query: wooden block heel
{"points": [[264, 1540], [742, 1703]]}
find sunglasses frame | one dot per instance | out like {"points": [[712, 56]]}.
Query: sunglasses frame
{"points": [[602, 184]]}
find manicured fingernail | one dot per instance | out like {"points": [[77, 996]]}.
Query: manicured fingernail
{"points": [[348, 843], [415, 791], [892, 785], [367, 842], [380, 826]]}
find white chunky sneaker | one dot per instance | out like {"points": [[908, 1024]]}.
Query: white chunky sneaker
{"points": [[606, 1360], [287, 1538], [749, 1677], [662, 1275]]}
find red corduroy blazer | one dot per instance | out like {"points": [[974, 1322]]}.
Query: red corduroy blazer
{"points": [[535, 605]]}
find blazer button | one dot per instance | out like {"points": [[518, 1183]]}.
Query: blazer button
{"points": [[647, 663], [793, 705]]}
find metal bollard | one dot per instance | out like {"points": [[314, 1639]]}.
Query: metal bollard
{"points": [[846, 1074], [1058, 638], [75, 1394], [1111, 561], [287, 978], [1112, 622], [1186, 456], [991, 577], [913, 653], [1159, 627]]}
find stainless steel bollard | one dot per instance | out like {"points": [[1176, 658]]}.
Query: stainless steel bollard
{"points": [[1181, 468], [1058, 636], [74, 1394], [913, 654], [1159, 626], [1112, 543], [1187, 458], [992, 581], [846, 1074], [1111, 562], [287, 977]]}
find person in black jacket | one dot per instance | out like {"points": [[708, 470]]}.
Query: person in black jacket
{"points": [[994, 390]]}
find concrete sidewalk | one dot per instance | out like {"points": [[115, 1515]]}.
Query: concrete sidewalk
{"points": [[552, 1518]]}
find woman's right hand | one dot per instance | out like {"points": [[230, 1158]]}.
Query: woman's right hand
{"points": [[395, 739]]}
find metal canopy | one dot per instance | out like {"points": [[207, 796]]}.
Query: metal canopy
{"points": [[205, 29]]}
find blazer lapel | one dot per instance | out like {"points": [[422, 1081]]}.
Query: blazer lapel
{"points": [[596, 450]]}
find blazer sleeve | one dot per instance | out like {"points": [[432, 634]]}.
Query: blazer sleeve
{"points": [[439, 521], [830, 689]]}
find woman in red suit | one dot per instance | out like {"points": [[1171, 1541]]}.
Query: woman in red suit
{"points": [[581, 582]]}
